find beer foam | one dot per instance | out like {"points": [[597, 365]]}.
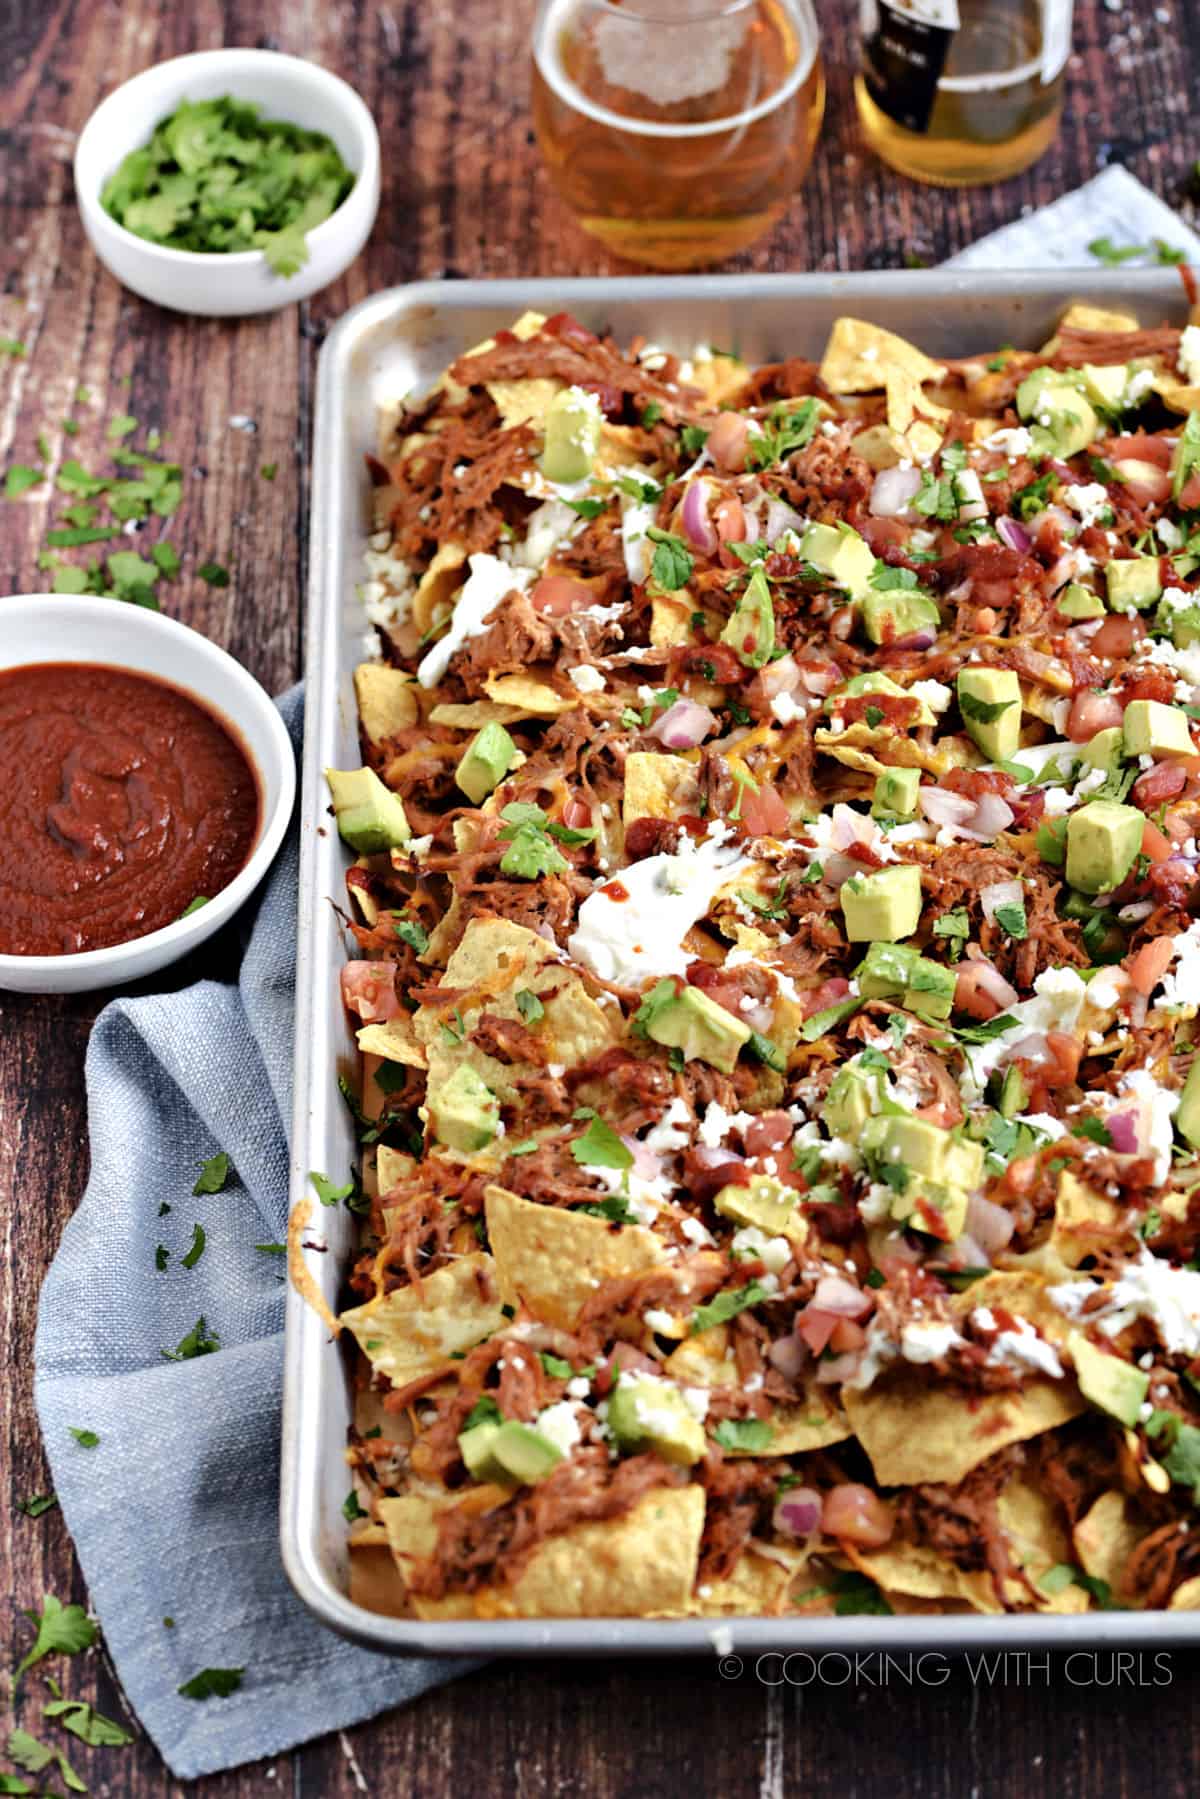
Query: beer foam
{"points": [[682, 53]]}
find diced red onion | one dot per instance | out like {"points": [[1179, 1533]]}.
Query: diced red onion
{"points": [[837, 1367], [988, 977], [798, 1513], [992, 815], [683, 725], [788, 1355], [1014, 535], [780, 518], [989, 1224], [1000, 893], [942, 807], [1033, 1048], [779, 677], [916, 640], [834, 1294], [694, 521], [892, 491], [1122, 1128], [646, 1162], [820, 678]]}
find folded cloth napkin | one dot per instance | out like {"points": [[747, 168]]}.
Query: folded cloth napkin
{"points": [[174, 1512]]}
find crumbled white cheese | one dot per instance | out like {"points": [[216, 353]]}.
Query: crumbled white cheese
{"points": [[586, 679], [673, 1130], [1189, 354], [1156, 1107], [1089, 501], [717, 1123], [559, 1424], [1016, 440], [936, 695], [774, 1252], [1182, 986], [1058, 996], [784, 706]]}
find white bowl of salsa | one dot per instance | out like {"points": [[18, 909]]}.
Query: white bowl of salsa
{"points": [[149, 784]]}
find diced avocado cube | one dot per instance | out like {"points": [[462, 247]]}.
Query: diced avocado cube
{"points": [[701, 1029], [464, 1111], [897, 613], [1031, 389], [524, 1453], [370, 817], [477, 1448], [839, 552], [963, 1162], [1103, 841], [763, 1201], [853, 1095], [1184, 626], [1152, 729], [1105, 750], [926, 1149], [645, 1412], [1105, 384], [990, 702], [895, 793], [1187, 1118], [1065, 421], [897, 972], [884, 906], [1117, 1387], [487, 760], [750, 632], [1077, 601], [573, 425], [1011, 1091], [934, 1207], [1133, 583]]}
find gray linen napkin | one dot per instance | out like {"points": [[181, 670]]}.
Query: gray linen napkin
{"points": [[175, 1512]]}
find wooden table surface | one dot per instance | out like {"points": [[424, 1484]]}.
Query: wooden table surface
{"points": [[463, 193]]}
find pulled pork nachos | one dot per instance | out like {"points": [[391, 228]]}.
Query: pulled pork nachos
{"points": [[777, 976]]}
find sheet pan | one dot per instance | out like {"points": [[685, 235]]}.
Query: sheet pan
{"points": [[396, 343]]}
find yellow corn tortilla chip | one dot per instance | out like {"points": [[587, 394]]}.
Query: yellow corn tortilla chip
{"points": [[299, 1272], [394, 1041], [1081, 315], [619, 447], [534, 698], [475, 714], [494, 960], [719, 378], [1038, 1541], [921, 1573], [905, 400], [1186, 1597], [853, 746], [859, 356], [1180, 399], [438, 585], [814, 1424], [624, 1567], [671, 620], [554, 1258], [760, 1586], [658, 786], [391, 1167], [417, 1331], [1019, 1291], [387, 700], [1105, 1538], [916, 1429], [524, 402]]}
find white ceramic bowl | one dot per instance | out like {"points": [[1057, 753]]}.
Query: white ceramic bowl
{"points": [[217, 285], [43, 627]]}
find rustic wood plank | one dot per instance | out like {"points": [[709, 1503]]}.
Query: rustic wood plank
{"points": [[464, 194]]}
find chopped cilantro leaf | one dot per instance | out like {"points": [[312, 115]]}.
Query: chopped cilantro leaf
{"points": [[1094, 1130], [1104, 250], [954, 924], [555, 1366], [351, 1509], [213, 574], [750, 1435], [20, 477], [529, 1005], [37, 1503], [651, 413], [693, 438], [87, 1439], [86, 1723], [196, 1248], [212, 1683], [410, 931], [587, 508], [1012, 920], [600, 1147], [672, 563], [327, 1193], [983, 712], [197, 1342], [614, 1209], [484, 1411], [61, 1630], [785, 430], [725, 1306], [767, 1052], [36, 1757], [162, 1256], [213, 1173]]}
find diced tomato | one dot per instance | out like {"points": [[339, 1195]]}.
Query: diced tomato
{"points": [[558, 595], [883, 533], [1115, 637], [1155, 843], [768, 1132], [1164, 781], [1142, 446], [827, 994], [764, 813], [1147, 968], [730, 520], [1092, 712], [899, 709], [847, 1336], [727, 442], [980, 990], [856, 1514], [567, 326], [577, 814], [1027, 809], [1065, 1052], [1150, 684], [973, 783], [369, 988], [1144, 482], [817, 1327], [712, 662]]}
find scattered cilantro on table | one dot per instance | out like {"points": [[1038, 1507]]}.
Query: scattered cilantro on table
{"points": [[61, 1630], [213, 1174], [212, 1683]]}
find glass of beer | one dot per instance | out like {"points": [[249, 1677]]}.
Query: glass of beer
{"points": [[961, 92], [677, 131]]}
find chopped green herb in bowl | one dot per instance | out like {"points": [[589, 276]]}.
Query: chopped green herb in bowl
{"points": [[217, 176]]}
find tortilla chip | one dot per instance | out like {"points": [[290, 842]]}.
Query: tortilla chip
{"points": [[525, 402], [760, 1586], [394, 1041], [859, 356], [391, 1167], [1083, 1219], [1186, 1597], [416, 1331], [916, 1429], [1019, 1291], [438, 585], [671, 620], [1179, 399], [718, 377], [300, 1274], [554, 1258], [814, 1424], [1081, 315], [905, 400], [624, 1567], [1105, 1538], [494, 959], [1038, 1541], [387, 700], [921, 1573], [533, 698], [375, 1581], [475, 714], [852, 748], [620, 447], [658, 786]]}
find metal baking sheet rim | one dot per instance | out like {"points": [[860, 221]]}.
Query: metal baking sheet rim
{"points": [[315, 1409]]}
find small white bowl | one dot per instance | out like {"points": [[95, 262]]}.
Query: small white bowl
{"points": [[45, 627], [215, 285]]}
